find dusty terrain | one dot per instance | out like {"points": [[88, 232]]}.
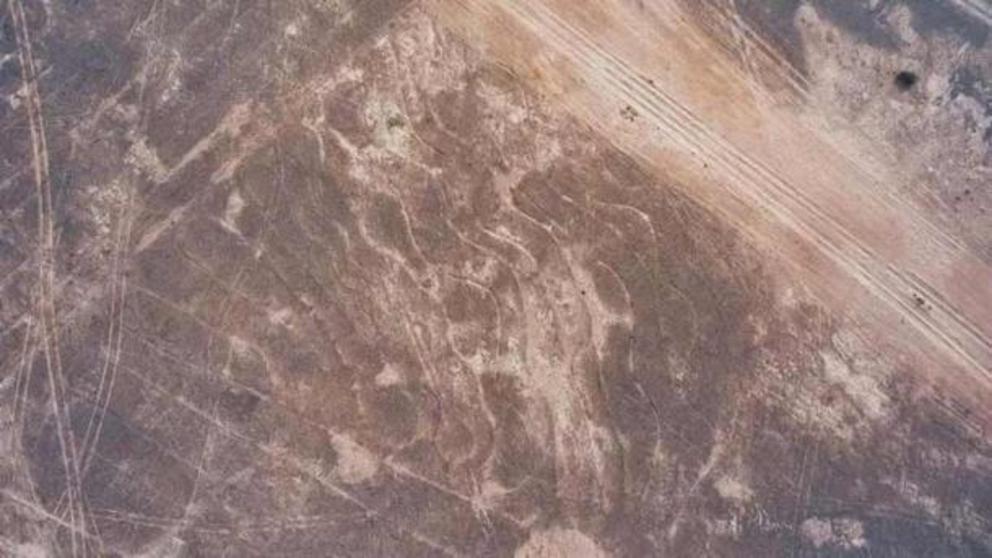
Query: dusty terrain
{"points": [[495, 278]]}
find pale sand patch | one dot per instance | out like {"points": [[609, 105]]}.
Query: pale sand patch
{"points": [[559, 543]]}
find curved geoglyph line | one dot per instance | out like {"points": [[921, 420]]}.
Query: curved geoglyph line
{"points": [[745, 176]]}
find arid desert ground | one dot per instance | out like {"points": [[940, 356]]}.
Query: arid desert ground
{"points": [[531, 278]]}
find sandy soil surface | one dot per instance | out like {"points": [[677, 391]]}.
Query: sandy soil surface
{"points": [[495, 277]]}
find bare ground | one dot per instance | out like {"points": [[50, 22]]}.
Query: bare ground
{"points": [[479, 277]]}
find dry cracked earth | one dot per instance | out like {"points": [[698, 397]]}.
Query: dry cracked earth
{"points": [[534, 278]]}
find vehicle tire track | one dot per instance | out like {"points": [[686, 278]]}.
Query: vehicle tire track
{"points": [[976, 9], [48, 322], [108, 371], [759, 187], [746, 41]]}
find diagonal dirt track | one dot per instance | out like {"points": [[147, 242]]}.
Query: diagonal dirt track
{"points": [[661, 90], [589, 278], [976, 8]]}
